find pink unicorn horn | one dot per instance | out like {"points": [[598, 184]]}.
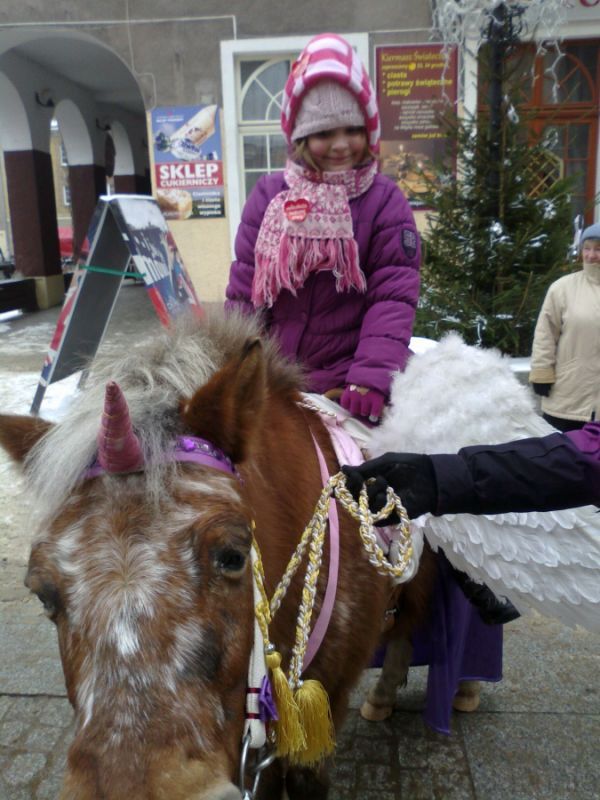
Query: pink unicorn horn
{"points": [[119, 448]]}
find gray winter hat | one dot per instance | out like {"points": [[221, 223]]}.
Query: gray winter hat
{"points": [[326, 106], [591, 232]]}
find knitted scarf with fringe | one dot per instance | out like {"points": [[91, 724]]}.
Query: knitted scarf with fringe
{"points": [[308, 228]]}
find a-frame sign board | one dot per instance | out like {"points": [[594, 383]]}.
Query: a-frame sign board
{"points": [[128, 235]]}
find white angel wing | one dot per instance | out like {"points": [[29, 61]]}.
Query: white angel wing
{"points": [[455, 395]]}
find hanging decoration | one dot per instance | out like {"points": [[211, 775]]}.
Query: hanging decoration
{"points": [[467, 24]]}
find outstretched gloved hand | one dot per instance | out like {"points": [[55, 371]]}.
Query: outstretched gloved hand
{"points": [[410, 475], [361, 401]]}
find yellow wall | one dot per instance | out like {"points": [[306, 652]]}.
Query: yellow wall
{"points": [[204, 248], [202, 243]]}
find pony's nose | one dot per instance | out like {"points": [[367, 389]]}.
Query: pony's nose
{"points": [[228, 792]]}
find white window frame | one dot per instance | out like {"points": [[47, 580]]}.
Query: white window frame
{"points": [[231, 52], [66, 196]]}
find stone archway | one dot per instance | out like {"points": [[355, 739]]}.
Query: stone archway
{"points": [[29, 183], [124, 170], [80, 81], [14, 131], [87, 180]]}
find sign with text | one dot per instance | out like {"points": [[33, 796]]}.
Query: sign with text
{"points": [[188, 165], [416, 84], [129, 237]]}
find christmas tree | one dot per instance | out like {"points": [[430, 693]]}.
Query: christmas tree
{"points": [[498, 235]]}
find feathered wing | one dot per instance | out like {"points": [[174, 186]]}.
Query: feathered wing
{"points": [[452, 396]]}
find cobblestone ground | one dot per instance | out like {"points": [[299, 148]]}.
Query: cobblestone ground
{"points": [[535, 737]]}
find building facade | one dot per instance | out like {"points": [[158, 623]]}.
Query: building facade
{"points": [[93, 69]]}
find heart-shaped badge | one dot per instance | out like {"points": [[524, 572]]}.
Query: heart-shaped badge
{"points": [[296, 210]]}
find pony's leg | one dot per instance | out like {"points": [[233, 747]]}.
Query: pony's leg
{"points": [[304, 783], [467, 697], [380, 700]]}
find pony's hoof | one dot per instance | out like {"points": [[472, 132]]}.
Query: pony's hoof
{"points": [[467, 697], [375, 713]]}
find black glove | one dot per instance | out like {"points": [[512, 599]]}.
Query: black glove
{"points": [[410, 475], [543, 389]]}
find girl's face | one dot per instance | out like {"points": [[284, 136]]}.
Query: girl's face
{"points": [[338, 149], [590, 251]]}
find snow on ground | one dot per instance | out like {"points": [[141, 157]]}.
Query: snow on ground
{"points": [[17, 392]]}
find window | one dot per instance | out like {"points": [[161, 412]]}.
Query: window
{"points": [[66, 193], [64, 161], [563, 98], [264, 147]]}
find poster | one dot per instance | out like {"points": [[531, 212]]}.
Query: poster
{"points": [[155, 256], [415, 87], [188, 161]]}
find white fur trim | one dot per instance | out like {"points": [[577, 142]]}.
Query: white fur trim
{"points": [[327, 43]]}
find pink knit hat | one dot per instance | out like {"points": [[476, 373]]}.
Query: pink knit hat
{"points": [[328, 58]]}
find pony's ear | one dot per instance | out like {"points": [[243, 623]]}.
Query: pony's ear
{"points": [[227, 409], [18, 434]]}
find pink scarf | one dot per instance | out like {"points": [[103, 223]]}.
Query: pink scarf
{"points": [[308, 228]]}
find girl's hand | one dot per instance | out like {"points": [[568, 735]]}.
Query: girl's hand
{"points": [[361, 401]]}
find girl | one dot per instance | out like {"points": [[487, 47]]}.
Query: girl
{"points": [[328, 250]]}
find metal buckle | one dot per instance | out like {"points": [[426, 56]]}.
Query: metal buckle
{"points": [[248, 794]]}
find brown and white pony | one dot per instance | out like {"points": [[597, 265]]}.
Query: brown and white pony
{"points": [[146, 574]]}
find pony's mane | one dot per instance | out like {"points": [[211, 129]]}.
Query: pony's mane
{"points": [[154, 375]]}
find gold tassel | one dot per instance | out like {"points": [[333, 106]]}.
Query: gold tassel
{"points": [[315, 719], [289, 732]]}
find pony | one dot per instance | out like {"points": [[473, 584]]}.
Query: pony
{"points": [[143, 561]]}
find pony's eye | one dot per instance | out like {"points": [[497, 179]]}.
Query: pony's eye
{"points": [[50, 599], [231, 561]]}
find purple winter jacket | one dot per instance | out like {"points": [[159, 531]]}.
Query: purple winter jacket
{"points": [[349, 337], [561, 470]]}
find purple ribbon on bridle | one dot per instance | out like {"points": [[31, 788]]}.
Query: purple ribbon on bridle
{"points": [[267, 709], [190, 449]]}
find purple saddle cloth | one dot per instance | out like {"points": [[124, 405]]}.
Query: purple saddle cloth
{"points": [[456, 645]]}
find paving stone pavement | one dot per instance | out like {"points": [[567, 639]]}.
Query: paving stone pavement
{"points": [[536, 735]]}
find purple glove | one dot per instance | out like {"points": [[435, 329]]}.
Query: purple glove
{"points": [[363, 402]]}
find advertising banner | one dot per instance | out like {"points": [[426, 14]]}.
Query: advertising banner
{"points": [[416, 85], [155, 256], [129, 238], [188, 161]]}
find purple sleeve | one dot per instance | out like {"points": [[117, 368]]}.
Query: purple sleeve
{"points": [[241, 273], [539, 474], [587, 440], [392, 271]]}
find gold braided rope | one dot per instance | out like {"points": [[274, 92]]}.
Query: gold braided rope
{"points": [[318, 529], [313, 537]]}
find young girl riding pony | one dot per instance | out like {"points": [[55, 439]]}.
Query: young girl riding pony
{"points": [[327, 250]]}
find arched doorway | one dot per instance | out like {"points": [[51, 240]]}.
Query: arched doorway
{"points": [[79, 81]]}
